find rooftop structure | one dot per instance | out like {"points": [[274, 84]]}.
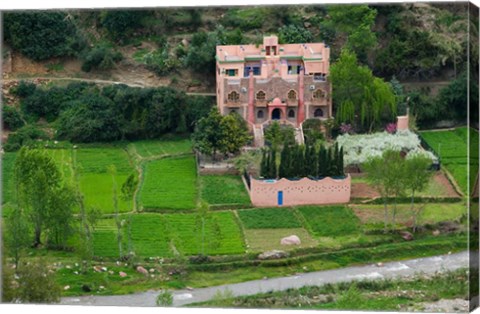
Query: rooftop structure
{"points": [[272, 81]]}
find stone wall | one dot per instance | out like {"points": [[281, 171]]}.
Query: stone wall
{"points": [[300, 192]]}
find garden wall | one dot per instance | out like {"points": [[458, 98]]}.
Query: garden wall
{"points": [[300, 192]]}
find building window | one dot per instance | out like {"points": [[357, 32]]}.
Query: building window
{"points": [[261, 95], [292, 95], [291, 113], [256, 70], [319, 76], [318, 94], [233, 96], [293, 69], [318, 113], [233, 111], [232, 72], [260, 114]]}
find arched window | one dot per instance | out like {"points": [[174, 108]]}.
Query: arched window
{"points": [[318, 113], [261, 95], [260, 114], [292, 95], [233, 96], [233, 111], [291, 113], [318, 94]]}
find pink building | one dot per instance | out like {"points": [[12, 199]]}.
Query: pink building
{"points": [[274, 82]]}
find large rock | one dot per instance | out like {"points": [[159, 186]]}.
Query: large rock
{"points": [[407, 236], [275, 254], [142, 270], [291, 240]]}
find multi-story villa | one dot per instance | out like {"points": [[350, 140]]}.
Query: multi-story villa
{"points": [[274, 82]]}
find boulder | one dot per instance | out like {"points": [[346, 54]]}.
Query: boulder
{"points": [[98, 269], [122, 274], [142, 270], [407, 236], [436, 233], [291, 240], [275, 254]]}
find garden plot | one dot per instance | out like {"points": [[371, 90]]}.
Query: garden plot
{"points": [[163, 147], [224, 190], [451, 146], [330, 221], [162, 234], [269, 218], [96, 182], [169, 183]]}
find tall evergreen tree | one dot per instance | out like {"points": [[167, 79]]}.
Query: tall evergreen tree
{"points": [[321, 168], [311, 162], [272, 166], [283, 170], [340, 162]]}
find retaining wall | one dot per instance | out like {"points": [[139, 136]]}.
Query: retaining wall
{"points": [[300, 192]]}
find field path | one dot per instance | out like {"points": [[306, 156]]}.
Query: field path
{"points": [[427, 265]]}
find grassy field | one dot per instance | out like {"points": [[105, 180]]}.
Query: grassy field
{"points": [[96, 182], [161, 234], [8, 164], [260, 240], [432, 213], [163, 147], [223, 189], [268, 218], [330, 221], [452, 148], [169, 183]]}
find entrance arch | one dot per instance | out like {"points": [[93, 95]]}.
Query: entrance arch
{"points": [[276, 114]]}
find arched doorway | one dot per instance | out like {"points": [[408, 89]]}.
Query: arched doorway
{"points": [[276, 114], [318, 113]]}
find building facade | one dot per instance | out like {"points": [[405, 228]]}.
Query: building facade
{"points": [[269, 82]]}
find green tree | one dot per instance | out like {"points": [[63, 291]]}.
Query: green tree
{"points": [[120, 23], [293, 34], [235, 134], [38, 180], [118, 222], [322, 168], [17, 235], [208, 136], [100, 57], [417, 177], [129, 186], [11, 117], [60, 220]]}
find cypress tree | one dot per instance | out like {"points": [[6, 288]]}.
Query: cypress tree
{"points": [[263, 164], [311, 161], [321, 162], [328, 162], [335, 161], [340, 162], [283, 168], [272, 167]]}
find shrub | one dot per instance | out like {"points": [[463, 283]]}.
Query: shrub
{"points": [[12, 119], [101, 57], [165, 298], [25, 136], [24, 89], [292, 34]]}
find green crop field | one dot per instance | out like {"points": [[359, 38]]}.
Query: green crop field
{"points": [[330, 221], [223, 189], [260, 240], [167, 146], [8, 164], [169, 183], [63, 159], [96, 182], [159, 234], [265, 218], [451, 146]]}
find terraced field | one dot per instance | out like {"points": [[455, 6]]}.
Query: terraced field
{"points": [[169, 183], [163, 147], [452, 148], [223, 190], [268, 218]]}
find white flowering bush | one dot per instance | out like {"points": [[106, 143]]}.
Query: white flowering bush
{"points": [[358, 149]]}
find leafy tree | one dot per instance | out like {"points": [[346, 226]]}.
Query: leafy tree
{"points": [[25, 89], [272, 165], [208, 137], [38, 180], [37, 284], [311, 162], [454, 99], [59, 219], [293, 34], [417, 176], [11, 117], [312, 131], [43, 35], [120, 23], [277, 135], [322, 168], [356, 22], [17, 234], [93, 118], [201, 53], [24, 136], [235, 134]]}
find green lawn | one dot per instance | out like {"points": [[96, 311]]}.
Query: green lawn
{"points": [[452, 148], [169, 183], [8, 164], [223, 189], [268, 218], [160, 234], [330, 221], [167, 146]]}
